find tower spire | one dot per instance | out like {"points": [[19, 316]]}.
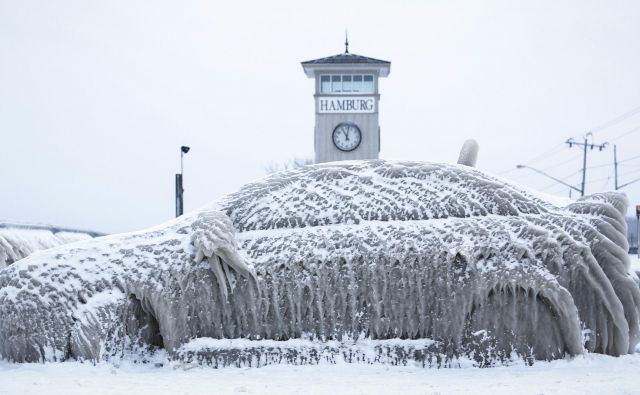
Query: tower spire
{"points": [[346, 41]]}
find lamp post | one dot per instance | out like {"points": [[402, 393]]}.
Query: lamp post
{"points": [[179, 190], [638, 229], [553, 178]]}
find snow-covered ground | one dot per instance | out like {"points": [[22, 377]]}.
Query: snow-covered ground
{"points": [[596, 374]]}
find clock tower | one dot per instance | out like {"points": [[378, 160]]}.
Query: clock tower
{"points": [[346, 105]]}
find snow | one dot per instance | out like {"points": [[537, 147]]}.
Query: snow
{"points": [[558, 201], [19, 241], [591, 373], [469, 153]]}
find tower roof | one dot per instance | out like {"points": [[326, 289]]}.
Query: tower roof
{"points": [[345, 60]]}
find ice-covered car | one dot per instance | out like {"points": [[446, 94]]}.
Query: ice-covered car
{"points": [[369, 260]]}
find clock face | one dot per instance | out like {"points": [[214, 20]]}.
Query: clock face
{"points": [[347, 136]]}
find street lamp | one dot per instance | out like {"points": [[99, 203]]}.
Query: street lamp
{"points": [[551, 177], [638, 230], [183, 150], [179, 190]]}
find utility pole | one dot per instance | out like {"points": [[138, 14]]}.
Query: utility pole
{"points": [[615, 170], [585, 145]]}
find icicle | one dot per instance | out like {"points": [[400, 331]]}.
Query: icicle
{"points": [[216, 268]]}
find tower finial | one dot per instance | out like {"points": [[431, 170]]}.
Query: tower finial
{"points": [[346, 41]]}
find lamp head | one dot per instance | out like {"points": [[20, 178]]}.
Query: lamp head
{"points": [[519, 166], [185, 149]]}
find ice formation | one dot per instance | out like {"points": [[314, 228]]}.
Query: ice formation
{"points": [[18, 241], [469, 153], [415, 258]]}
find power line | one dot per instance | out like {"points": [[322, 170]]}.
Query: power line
{"points": [[557, 188], [616, 120], [599, 166], [598, 180], [629, 172], [628, 159], [606, 182], [552, 151], [562, 163], [631, 131]]}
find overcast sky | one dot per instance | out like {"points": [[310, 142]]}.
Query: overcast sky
{"points": [[96, 97]]}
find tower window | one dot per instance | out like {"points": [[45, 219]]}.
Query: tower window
{"points": [[357, 83], [346, 83], [367, 86], [325, 83], [336, 83]]}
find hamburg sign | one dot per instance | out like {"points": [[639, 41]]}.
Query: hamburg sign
{"points": [[346, 105]]}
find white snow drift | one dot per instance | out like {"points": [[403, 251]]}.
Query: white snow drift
{"points": [[443, 259], [18, 241]]}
